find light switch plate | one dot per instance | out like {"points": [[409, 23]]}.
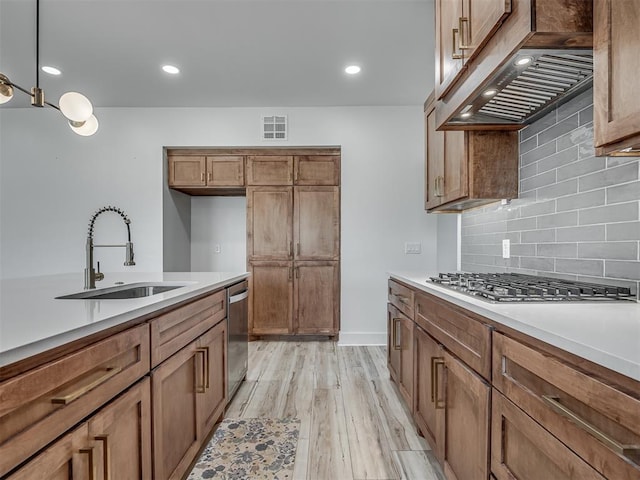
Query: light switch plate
{"points": [[506, 248], [412, 248]]}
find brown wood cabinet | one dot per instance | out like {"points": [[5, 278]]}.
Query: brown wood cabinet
{"points": [[317, 169], [269, 223], [316, 297], [524, 450], [113, 444], [462, 29], [316, 223], [269, 170], [493, 402], [189, 397], [428, 354], [467, 169], [207, 174], [476, 38], [597, 421], [615, 48], [463, 423], [43, 403], [271, 298], [400, 349]]}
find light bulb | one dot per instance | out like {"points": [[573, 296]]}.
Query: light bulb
{"points": [[86, 128], [75, 106], [51, 70], [352, 69], [6, 90]]}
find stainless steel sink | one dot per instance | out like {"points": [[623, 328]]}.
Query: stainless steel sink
{"points": [[123, 292]]}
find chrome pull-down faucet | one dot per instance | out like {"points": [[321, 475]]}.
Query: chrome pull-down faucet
{"points": [[90, 274]]}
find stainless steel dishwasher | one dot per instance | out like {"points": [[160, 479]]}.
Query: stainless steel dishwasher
{"points": [[238, 335]]}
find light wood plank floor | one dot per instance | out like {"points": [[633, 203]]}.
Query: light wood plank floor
{"points": [[353, 424]]}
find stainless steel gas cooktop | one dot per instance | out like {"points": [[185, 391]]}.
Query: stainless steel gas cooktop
{"points": [[515, 287]]}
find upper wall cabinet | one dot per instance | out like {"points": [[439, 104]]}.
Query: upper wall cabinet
{"points": [[207, 175], [500, 64], [617, 63], [317, 170], [463, 27], [467, 169], [269, 170]]}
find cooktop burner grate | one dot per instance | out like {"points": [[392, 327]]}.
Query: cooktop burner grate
{"points": [[517, 287]]}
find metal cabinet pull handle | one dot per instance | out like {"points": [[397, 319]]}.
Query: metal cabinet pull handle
{"points": [[210, 176], [202, 177], [297, 272], [92, 464], [66, 399], [290, 273], [106, 455], [461, 44], [202, 352], [397, 341], [454, 55], [624, 450], [298, 248], [435, 361]]}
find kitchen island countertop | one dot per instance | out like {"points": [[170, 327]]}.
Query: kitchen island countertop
{"points": [[605, 333], [33, 321]]}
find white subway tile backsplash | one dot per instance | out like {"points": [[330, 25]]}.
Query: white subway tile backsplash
{"points": [[577, 215]]}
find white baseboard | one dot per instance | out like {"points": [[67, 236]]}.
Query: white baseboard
{"points": [[362, 338]]}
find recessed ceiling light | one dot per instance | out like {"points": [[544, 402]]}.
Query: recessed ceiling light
{"points": [[171, 69], [51, 70], [466, 115], [523, 61], [490, 93], [352, 69]]}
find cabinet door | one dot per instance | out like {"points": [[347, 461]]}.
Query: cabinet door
{"points": [[434, 160], [175, 385], [394, 356], [317, 170], [616, 43], [269, 223], [187, 170], [122, 433], [225, 171], [428, 355], [405, 385], [455, 183], [480, 20], [211, 348], [70, 457], [270, 170], [316, 298], [524, 450], [449, 58], [317, 223], [271, 298], [464, 427]]}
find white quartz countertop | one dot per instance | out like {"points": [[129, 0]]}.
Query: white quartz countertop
{"points": [[33, 321], [607, 334]]}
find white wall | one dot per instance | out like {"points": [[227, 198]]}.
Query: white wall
{"points": [[218, 221], [52, 180]]}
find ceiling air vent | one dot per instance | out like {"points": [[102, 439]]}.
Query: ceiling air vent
{"points": [[274, 127]]}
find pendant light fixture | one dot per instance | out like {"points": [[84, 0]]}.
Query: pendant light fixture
{"points": [[73, 105]]}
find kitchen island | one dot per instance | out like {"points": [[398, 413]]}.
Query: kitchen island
{"points": [[113, 388]]}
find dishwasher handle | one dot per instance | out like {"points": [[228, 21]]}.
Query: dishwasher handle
{"points": [[238, 297]]}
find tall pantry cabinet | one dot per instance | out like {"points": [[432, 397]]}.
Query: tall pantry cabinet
{"points": [[293, 245]]}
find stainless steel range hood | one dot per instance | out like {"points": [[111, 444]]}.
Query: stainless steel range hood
{"points": [[527, 86]]}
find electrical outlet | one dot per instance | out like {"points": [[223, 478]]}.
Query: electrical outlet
{"points": [[506, 248], [217, 248], [412, 248]]}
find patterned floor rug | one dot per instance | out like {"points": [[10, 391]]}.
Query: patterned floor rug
{"points": [[250, 448]]}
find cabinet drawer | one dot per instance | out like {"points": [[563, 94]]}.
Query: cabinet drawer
{"points": [[172, 331], [270, 170], [402, 298], [524, 450], [598, 421], [39, 405], [461, 334]]}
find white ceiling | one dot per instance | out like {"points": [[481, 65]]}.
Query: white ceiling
{"points": [[232, 53]]}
